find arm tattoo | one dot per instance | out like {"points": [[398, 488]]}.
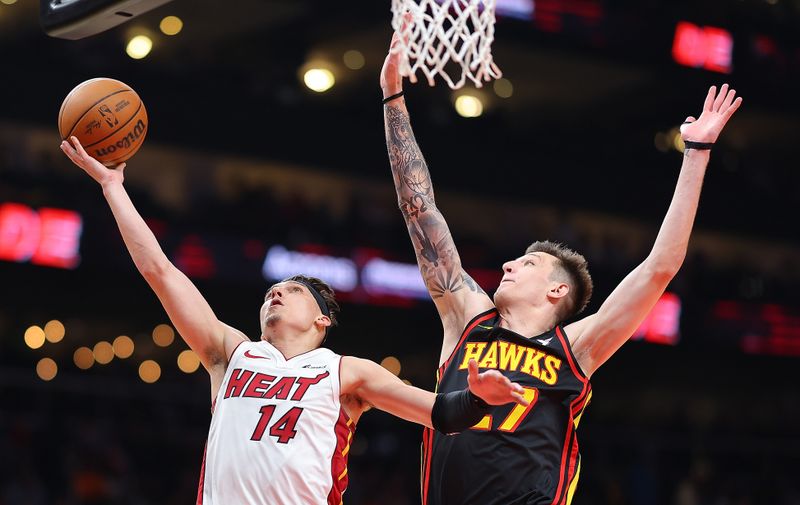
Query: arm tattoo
{"points": [[471, 284], [436, 253]]}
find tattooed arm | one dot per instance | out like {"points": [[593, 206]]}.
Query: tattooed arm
{"points": [[456, 295]]}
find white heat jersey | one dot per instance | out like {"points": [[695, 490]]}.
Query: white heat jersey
{"points": [[278, 435]]}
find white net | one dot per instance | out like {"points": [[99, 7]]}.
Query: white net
{"points": [[449, 38]]}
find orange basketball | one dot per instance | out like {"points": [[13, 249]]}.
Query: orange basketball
{"points": [[107, 116]]}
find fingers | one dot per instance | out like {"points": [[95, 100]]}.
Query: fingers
{"points": [[473, 370], [79, 147], [121, 167], [408, 18], [71, 153], [723, 92], [727, 113], [73, 149], [709, 103], [74, 143], [728, 100], [66, 149], [405, 27], [520, 399]]}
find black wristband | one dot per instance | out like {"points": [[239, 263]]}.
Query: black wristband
{"points": [[457, 411], [390, 98], [698, 145]]}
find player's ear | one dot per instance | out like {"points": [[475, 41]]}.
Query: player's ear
{"points": [[558, 290], [322, 321]]}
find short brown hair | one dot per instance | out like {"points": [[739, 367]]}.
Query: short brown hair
{"points": [[325, 290], [572, 268]]}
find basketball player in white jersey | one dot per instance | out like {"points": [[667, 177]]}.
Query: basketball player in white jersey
{"points": [[284, 408]]}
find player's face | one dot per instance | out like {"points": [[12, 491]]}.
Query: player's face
{"points": [[526, 279], [289, 303]]}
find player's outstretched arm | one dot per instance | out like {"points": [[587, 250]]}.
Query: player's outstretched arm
{"points": [[450, 412], [455, 293], [186, 307], [596, 337]]}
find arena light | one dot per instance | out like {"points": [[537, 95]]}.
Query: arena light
{"points": [[319, 79], [54, 331], [677, 140], [34, 337], [163, 335], [46, 369], [8, 2], [188, 361], [83, 358], [392, 364], [103, 352], [194, 258], [47, 237], [381, 277], [662, 141], [139, 47], [123, 346], [469, 106], [149, 371], [340, 273], [503, 88], [705, 47], [519, 9], [171, 25], [662, 324], [353, 59]]}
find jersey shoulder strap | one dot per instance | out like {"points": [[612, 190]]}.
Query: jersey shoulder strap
{"points": [[487, 317]]}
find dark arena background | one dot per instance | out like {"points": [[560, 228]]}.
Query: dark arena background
{"points": [[265, 156]]}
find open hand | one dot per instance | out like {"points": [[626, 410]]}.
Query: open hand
{"points": [[391, 79], [493, 387], [99, 172], [717, 110]]}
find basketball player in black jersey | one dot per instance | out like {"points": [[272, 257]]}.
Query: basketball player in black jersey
{"points": [[529, 455]]}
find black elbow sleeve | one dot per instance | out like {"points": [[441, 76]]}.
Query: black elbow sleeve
{"points": [[457, 411]]}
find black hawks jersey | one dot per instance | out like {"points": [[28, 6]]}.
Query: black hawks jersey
{"points": [[516, 455]]}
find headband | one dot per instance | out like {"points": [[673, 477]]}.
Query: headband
{"points": [[323, 306]]}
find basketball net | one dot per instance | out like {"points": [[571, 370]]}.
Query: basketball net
{"points": [[443, 35]]}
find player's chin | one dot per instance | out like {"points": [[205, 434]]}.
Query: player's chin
{"points": [[502, 296], [272, 319]]}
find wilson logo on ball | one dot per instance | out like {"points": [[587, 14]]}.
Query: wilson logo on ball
{"points": [[125, 142]]}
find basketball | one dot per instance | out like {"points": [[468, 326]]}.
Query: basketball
{"points": [[108, 118]]}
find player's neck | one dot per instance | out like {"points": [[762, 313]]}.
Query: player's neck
{"points": [[290, 342], [527, 320]]}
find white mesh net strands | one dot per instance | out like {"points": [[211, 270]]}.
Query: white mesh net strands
{"points": [[449, 38]]}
